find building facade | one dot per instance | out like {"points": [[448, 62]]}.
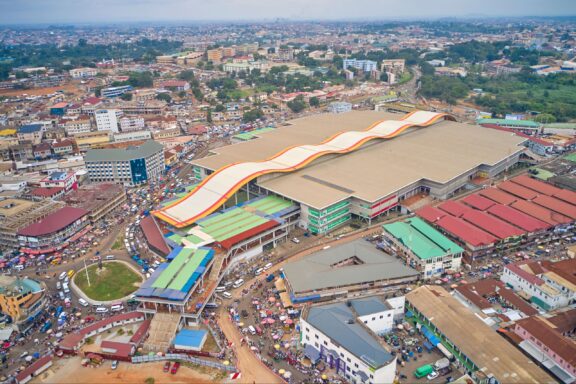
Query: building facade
{"points": [[108, 119]]}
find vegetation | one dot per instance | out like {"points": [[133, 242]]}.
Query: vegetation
{"points": [[314, 102], [444, 88], [164, 97], [252, 115], [150, 380], [126, 96], [114, 281], [297, 105]]}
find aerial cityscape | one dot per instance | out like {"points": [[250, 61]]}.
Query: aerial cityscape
{"points": [[244, 191]]}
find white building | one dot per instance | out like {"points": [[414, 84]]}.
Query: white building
{"points": [[548, 285], [81, 73], [378, 315], [333, 333], [364, 65], [107, 119], [76, 126], [132, 136], [131, 123]]}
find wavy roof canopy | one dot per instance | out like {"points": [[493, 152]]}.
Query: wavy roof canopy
{"points": [[214, 190]]}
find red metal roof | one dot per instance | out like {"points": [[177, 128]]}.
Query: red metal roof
{"points": [[122, 349], [110, 320], [455, 208], [54, 222], [556, 205], [478, 202], [35, 366], [517, 190], [567, 196], [498, 196], [529, 277], [430, 213], [492, 225], [153, 235], [466, 232], [46, 192], [540, 213], [535, 185], [71, 341], [141, 332], [230, 242], [519, 219]]}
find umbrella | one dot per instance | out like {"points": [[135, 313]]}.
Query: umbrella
{"points": [[272, 299], [288, 322], [287, 374], [263, 322], [270, 321], [276, 346], [226, 362], [324, 377], [282, 371], [282, 318], [277, 304], [240, 324], [275, 337]]}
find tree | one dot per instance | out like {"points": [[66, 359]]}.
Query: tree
{"points": [[384, 77], [297, 104], [187, 75], [220, 108], [198, 94], [427, 68], [209, 116], [545, 118], [314, 102], [98, 92], [150, 380], [252, 115], [182, 94], [164, 97], [126, 96]]}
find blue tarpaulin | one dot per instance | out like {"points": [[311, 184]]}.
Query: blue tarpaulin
{"points": [[312, 353], [430, 336]]}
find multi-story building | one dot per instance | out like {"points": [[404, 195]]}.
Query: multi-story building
{"points": [[547, 340], [285, 53], [424, 248], [228, 52], [214, 55], [130, 166], [131, 123], [82, 73], [141, 95], [107, 119], [21, 299], [111, 92], [73, 127], [31, 132], [63, 147], [363, 65], [53, 231], [98, 199], [393, 66], [176, 85], [16, 214], [332, 333], [547, 284], [65, 180], [339, 107], [150, 107], [132, 136], [88, 140]]}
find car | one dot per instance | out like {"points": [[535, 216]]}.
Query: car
{"points": [[114, 364], [296, 240], [433, 375], [83, 302], [175, 367], [166, 367]]}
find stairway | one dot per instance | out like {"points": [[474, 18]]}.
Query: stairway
{"points": [[162, 330]]}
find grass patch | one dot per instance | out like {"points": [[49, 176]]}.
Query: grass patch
{"points": [[114, 281], [119, 243]]}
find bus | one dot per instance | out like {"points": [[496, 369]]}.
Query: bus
{"points": [[423, 371]]}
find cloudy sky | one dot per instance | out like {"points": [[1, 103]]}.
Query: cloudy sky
{"points": [[98, 11]]}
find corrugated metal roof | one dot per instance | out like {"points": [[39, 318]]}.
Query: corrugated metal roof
{"points": [[556, 205], [54, 222], [478, 202], [519, 219], [492, 225], [466, 232], [147, 149]]}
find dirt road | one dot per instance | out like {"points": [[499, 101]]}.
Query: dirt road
{"points": [[252, 369], [70, 370]]}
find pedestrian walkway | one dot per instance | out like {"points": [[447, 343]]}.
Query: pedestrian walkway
{"points": [[162, 329]]}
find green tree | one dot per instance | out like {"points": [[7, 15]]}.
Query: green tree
{"points": [[314, 102], [209, 116], [182, 94], [164, 97], [384, 77], [545, 118], [187, 75], [220, 108], [297, 104], [198, 94], [252, 115], [126, 96]]}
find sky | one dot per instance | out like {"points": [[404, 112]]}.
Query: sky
{"points": [[110, 11]]}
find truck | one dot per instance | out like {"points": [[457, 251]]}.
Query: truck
{"points": [[423, 371], [442, 363], [270, 277]]}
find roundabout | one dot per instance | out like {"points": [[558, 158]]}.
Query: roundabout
{"points": [[115, 281]]}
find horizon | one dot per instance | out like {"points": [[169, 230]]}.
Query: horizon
{"points": [[107, 12]]}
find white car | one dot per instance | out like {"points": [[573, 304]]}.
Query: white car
{"points": [[295, 240], [432, 375]]}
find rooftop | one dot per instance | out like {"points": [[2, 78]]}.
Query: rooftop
{"points": [[334, 321], [356, 262], [485, 348], [54, 222], [147, 149]]}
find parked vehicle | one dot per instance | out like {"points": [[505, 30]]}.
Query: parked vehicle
{"points": [[238, 283], [175, 367], [101, 310], [423, 371], [296, 240], [117, 307], [114, 364], [83, 302], [432, 375], [166, 367], [62, 276], [227, 295], [267, 266], [270, 277]]}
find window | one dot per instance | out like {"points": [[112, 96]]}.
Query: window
{"points": [[348, 369], [373, 319], [365, 321], [316, 336], [382, 316], [325, 343], [348, 360], [356, 365]]}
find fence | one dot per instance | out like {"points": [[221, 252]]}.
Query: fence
{"points": [[185, 358]]}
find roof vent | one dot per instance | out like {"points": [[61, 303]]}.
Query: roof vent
{"points": [[350, 321]]}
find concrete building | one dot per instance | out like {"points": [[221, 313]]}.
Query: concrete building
{"points": [[108, 119], [82, 73], [354, 269], [339, 107], [131, 123], [214, 55], [549, 285], [424, 248], [131, 166], [131, 136], [395, 66], [64, 180], [98, 199], [72, 127], [332, 333], [363, 65], [465, 334], [112, 92], [32, 133], [21, 299], [88, 140], [16, 214]]}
